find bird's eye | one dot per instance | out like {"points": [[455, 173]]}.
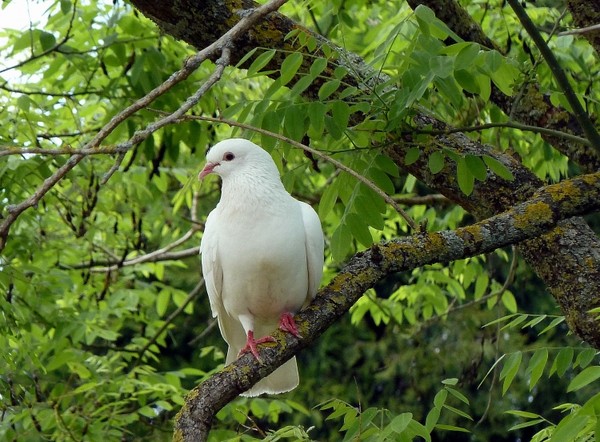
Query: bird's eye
{"points": [[228, 156]]}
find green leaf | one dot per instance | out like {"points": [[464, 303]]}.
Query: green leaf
{"points": [[510, 370], [553, 324], [458, 412], [290, 66], [382, 180], [537, 363], [24, 102], [586, 377], [440, 398], [412, 155], [445, 427], [47, 40], [341, 243], [498, 168], [340, 112], [328, 88], [585, 357], [386, 164], [162, 302], [466, 180], [509, 301], [65, 6], [563, 361], [328, 200], [246, 57], [467, 81], [526, 424], [458, 395], [317, 67], [432, 418], [436, 162], [400, 422], [481, 285], [260, 62], [359, 229], [294, 122], [419, 430], [476, 166], [569, 428], [523, 414]]}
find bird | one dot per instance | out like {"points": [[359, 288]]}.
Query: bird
{"points": [[262, 256]]}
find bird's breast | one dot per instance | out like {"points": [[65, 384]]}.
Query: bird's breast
{"points": [[264, 266]]}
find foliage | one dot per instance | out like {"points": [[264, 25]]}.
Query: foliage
{"points": [[104, 327]]}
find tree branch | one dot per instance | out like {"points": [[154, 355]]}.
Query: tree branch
{"points": [[582, 117], [527, 220]]}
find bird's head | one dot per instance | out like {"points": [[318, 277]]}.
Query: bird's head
{"points": [[236, 155]]}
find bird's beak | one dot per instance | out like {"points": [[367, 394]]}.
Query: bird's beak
{"points": [[208, 168]]}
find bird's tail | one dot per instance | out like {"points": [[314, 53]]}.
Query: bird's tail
{"points": [[285, 378]]}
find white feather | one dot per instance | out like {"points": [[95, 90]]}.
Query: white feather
{"points": [[262, 253]]}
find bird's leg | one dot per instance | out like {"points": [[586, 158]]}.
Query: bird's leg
{"points": [[287, 323], [251, 344]]}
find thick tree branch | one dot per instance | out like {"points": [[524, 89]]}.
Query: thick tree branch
{"points": [[543, 211]]}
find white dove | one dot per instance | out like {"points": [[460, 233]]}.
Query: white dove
{"points": [[262, 255]]}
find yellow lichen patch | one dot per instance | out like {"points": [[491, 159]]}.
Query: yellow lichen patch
{"points": [[340, 281], [539, 211], [566, 190], [475, 233], [436, 242]]}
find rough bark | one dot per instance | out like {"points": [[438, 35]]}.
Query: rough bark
{"points": [[526, 220], [567, 259]]}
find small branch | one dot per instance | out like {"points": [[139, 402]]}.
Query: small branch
{"points": [[427, 200], [196, 290], [141, 135], [580, 30], [156, 255], [511, 125], [7, 150], [580, 114]]}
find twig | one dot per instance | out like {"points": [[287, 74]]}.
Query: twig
{"points": [[578, 111], [141, 135], [317, 153], [7, 150], [157, 255], [195, 291], [508, 124], [585, 30]]}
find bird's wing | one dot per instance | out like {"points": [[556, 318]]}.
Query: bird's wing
{"points": [[314, 248], [211, 267], [230, 328]]}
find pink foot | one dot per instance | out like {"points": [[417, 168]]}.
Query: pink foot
{"points": [[251, 344], [287, 323]]}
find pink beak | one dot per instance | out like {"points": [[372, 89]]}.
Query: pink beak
{"points": [[208, 168]]}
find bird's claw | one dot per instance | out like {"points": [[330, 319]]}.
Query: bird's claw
{"points": [[287, 323], [251, 345]]}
